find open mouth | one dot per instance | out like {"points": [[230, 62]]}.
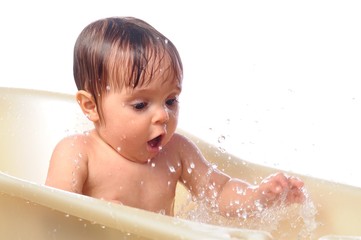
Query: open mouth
{"points": [[155, 142]]}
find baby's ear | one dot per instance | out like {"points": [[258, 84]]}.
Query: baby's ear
{"points": [[88, 105]]}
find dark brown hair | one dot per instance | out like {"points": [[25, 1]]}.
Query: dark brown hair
{"points": [[121, 52]]}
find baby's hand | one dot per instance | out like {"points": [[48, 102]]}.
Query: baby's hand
{"points": [[279, 187]]}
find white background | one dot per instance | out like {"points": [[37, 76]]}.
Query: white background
{"points": [[279, 80]]}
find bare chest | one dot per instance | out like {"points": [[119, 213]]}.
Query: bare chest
{"points": [[148, 186]]}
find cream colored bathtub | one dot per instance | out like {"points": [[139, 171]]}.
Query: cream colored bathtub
{"points": [[31, 123]]}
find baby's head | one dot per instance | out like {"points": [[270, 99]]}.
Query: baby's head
{"points": [[119, 52]]}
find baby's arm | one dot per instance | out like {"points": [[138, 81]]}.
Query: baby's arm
{"points": [[233, 196], [68, 165], [237, 197]]}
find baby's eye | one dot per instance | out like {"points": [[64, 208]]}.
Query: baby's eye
{"points": [[172, 101], [140, 105]]}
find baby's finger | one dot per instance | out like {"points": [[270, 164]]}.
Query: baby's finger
{"points": [[273, 186], [280, 183], [295, 195], [295, 182]]}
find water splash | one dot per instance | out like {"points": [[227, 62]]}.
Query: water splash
{"points": [[281, 220]]}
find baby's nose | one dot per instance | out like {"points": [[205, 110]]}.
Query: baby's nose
{"points": [[162, 115]]}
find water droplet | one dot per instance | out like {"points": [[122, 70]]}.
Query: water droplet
{"points": [[189, 170], [258, 205], [239, 190], [171, 169], [107, 88], [221, 139], [215, 194], [222, 150], [152, 164], [166, 41], [192, 165], [119, 149]]}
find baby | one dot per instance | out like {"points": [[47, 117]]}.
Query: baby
{"points": [[129, 78]]}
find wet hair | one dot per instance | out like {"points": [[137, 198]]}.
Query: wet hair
{"points": [[118, 52]]}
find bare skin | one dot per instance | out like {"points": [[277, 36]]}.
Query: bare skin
{"points": [[134, 157]]}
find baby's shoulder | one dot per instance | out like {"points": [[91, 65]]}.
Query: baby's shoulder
{"points": [[182, 143], [76, 142], [178, 138]]}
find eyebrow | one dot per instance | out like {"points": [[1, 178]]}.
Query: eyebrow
{"points": [[148, 90]]}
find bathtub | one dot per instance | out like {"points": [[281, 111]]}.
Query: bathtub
{"points": [[32, 122]]}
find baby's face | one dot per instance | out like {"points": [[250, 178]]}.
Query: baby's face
{"points": [[139, 122]]}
